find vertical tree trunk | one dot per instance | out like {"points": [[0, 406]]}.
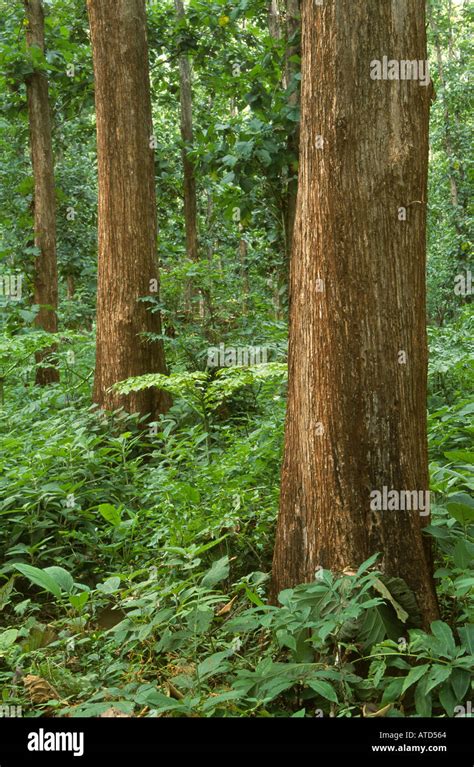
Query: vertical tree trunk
{"points": [[455, 162], [244, 271], [45, 273], [293, 23], [274, 24], [127, 268], [356, 419], [71, 286], [190, 203]]}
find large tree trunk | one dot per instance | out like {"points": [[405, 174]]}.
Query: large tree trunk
{"points": [[356, 419], [45, 273], [127, 267], [190, 203]]}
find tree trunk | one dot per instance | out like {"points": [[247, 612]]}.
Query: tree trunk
{"points": [[127, 267], [244, 271], [45, 272], [356, 418], [71, 286], [190, 203], [455, 163], [274, 24]]}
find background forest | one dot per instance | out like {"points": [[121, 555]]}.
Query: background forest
{"points": [[135, 556]]}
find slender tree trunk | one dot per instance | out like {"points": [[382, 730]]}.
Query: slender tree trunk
{"points": [[455, 164], [71, 286], [244, 271], [127, 268], [356, 419], [274, 23], [46, 272], [190, 202]]}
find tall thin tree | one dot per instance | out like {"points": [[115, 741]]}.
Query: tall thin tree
{"points": [[187, 136], [127, 331], [44, 207], [356, 419]]}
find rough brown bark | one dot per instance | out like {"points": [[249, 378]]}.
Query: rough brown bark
{"points": [[356, 418], [45, 271], [127, 268], [190, 202]]}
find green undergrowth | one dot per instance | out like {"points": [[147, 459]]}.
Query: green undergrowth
{"points": [[135, 560]]}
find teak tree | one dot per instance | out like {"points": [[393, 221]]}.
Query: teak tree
{"points": [[356, 418], [127, 266], [45, 278], [187, 136]]}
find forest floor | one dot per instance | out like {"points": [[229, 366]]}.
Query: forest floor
{"points": [[136, 560]]}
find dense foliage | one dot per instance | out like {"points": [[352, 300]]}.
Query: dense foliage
{"points": [[135, 558]]}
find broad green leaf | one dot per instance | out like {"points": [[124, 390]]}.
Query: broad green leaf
{"points": [[367, 564], [445, 637], [463, 554], [79, 600], [461, 507], [218, 572], [39, 578], [64, 580], [460, 682], [323, 688], [414, 675], [466, 634], [110, 513], [437, 675], [5, 592], [393, 692], [423, 701], [160, 702], [214, 664], [448, 699], [7, 638], [224, 697], [110, 585]]}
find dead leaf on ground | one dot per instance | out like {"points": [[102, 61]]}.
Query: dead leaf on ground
{"points": [[371, 710], [39, 690], [113, 713], [228, 607]]}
